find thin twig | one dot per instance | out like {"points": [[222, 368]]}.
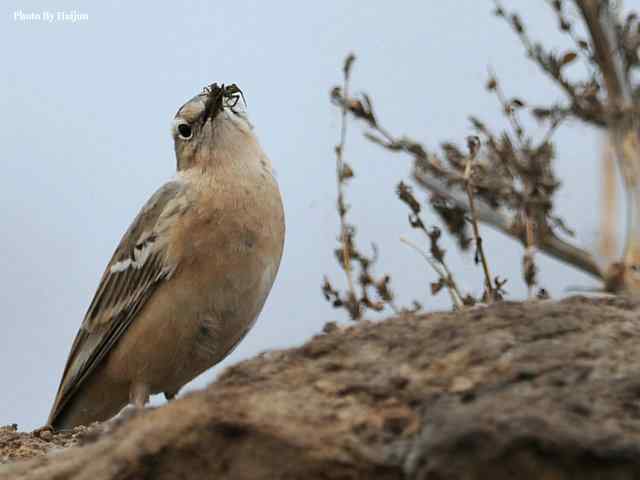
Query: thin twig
{"points": [[342, 208], [528, 260], [508, 109], [473, 150], [442, 271]]}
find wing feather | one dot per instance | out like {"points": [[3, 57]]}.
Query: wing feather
{"points": [[138, 266]]}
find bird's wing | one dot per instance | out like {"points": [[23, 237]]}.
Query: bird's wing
{"points": [[138, 266]]}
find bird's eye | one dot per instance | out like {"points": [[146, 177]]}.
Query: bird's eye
{"points": [[185, 131]]}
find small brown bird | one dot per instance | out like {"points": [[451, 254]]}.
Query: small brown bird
{"points": [[189, 277]]}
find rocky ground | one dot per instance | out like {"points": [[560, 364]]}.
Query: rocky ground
{"points": [[529, 390]]}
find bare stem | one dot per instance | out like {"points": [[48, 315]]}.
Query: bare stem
{"points": [[342, 208], [442, 271], [608, 247], [528, 262], [491, 294]]}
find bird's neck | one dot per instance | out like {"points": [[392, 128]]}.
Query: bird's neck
{"points": [[239, 154]]}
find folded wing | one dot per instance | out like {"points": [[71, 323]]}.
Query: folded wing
{"points": [[139, 265]]}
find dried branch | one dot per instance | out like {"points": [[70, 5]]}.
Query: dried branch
{"points": [[504, 223], [506, 180], [492, 204], [510, 109], [622, 118], [474, 146], [437, 258], [606, 99], [348, 255], [343, 172], [583, 95], [604, 41], [445, 277], [608, 243]]}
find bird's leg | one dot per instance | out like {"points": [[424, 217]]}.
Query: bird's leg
{"points": [[139, 395]]}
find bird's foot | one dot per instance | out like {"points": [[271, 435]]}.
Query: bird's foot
{"points": [[127, 413]]}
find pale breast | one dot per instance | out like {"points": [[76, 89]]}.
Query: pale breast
{"points": [[233, 253]]}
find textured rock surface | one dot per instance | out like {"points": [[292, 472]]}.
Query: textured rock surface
{"points": [[533, 390]]}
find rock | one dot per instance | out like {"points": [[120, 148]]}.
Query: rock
{"points": [[529, 390]]}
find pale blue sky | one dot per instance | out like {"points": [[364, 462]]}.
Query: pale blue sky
{"points": [[85, 135]]}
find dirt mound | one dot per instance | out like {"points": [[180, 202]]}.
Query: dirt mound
{"points": [[544, 389]]}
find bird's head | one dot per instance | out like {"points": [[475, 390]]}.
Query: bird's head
{"points": [[211, 127]]}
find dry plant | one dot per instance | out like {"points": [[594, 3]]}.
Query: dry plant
{"points": [[506, 179], [436, 256], [373, 293]]}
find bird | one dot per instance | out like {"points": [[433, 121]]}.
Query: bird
{"points": [[190, 275]]}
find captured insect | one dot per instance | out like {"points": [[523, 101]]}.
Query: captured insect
{"points": [[219, 96]]}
